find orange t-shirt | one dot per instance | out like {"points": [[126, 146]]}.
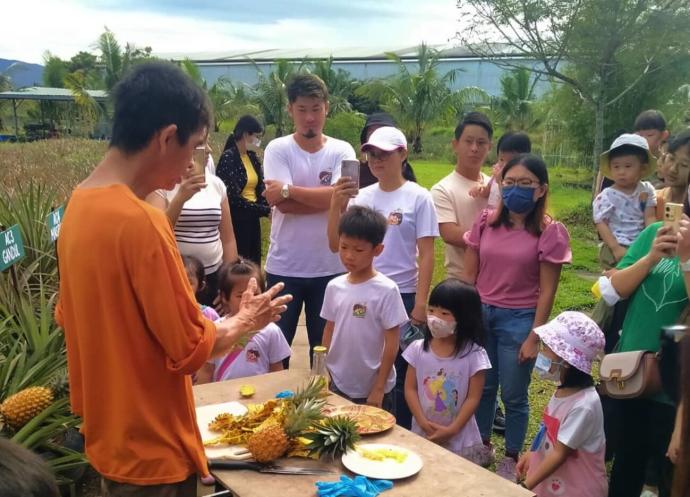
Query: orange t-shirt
{"points": [[134, 334]]}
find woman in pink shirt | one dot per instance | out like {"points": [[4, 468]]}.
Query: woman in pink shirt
{"points": [[514, 257]]}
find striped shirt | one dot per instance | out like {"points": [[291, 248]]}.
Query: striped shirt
{"points": [[197, 229]]}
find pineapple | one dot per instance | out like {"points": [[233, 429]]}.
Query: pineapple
{"points": [[333, 437], [59, 384], [20, 408], [275, 435], [316, 388]]}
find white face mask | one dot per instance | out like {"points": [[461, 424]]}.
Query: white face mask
{"points": [[255, 141], [543, 368], [440, 328]]}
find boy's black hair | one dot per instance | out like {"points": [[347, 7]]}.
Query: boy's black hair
{"points": [[306, 85], [574, 378], [476, 119], [245, 124], [230, 271], [516, 142], [154, 95], [625, 150], [650, 119], [197, 268], [23, 473], [536, 220], [463, 301], [363, 223]]}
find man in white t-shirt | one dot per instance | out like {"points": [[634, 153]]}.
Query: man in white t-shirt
{"points": [[456, 210], [299, 170]]}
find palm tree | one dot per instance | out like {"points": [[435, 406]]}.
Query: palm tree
{"points": [[115, 61], [270, 94], [513, 109], [420, 97], [339, 84]]}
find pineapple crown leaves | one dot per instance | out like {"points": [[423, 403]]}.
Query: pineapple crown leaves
{"points": [[315, 388], [302, 417], [332, 437]]}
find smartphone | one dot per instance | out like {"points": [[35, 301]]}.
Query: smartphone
{"points": [[350, 168], [199, 159], [673, 213]]}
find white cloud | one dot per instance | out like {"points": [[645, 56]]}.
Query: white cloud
{"points": [[67, 27]]}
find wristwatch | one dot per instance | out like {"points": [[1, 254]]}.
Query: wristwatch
{"points": [[285, 191]]}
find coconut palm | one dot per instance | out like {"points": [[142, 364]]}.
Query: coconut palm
{"points": [[116, 61], [513, 109], [419, 97], [270, 94], [339, 84]]}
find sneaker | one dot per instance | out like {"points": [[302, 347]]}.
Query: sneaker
{"points": [[484, 455], [208, 480], [506, 469], [499, 426]]}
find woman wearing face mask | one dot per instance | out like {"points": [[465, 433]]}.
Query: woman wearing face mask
{"points": [[240, 169], [514, 256], [567, 454]]}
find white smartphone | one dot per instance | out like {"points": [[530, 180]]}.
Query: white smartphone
{"points": [[199, 159]]}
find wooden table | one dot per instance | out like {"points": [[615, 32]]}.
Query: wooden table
{"points": [[443, 474]]}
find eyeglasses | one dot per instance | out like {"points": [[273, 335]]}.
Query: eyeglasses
{"points": [[522, 182], [379, 155]]}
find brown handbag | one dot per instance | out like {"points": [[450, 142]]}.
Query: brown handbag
{"points": [[630, 375]]}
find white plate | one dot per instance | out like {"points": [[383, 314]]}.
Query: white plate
{"points": [[388, 469], [206, 414]]}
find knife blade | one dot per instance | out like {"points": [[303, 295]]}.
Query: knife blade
{"points": [[267, 468]]}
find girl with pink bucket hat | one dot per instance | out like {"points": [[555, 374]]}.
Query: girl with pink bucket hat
{"points": [[567, 454]]}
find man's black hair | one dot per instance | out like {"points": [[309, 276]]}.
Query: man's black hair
{"points": [[152, 96], [476, 119], [306, 85], [517, 142], [363, 223], [23, 473], [650, 119]]}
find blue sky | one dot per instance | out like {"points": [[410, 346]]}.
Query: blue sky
{"points": [[67, 26]]}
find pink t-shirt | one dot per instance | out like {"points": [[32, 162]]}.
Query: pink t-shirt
{"points": [[576, 421], [509, 260], [442, 386]]}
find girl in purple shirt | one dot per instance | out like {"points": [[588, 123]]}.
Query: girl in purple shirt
{"points": [[514, 257]]}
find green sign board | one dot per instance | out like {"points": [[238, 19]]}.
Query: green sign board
{"points": [[11, 247], [53, 221]]}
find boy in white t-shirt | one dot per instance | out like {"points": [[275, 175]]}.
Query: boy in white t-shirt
{"points": [[363, 310]]}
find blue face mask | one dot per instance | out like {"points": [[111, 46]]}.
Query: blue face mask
{"points": [[543, 368], [519, 199]]}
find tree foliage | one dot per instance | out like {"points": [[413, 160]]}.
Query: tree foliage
{"points": [[604, 52]]}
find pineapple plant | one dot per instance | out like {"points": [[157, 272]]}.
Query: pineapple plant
{"points": [[332, 437], [20, 408]]}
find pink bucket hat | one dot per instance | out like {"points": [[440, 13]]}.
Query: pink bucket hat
{"points": [[574, 338]]}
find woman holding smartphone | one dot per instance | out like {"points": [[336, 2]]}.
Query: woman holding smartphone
{"points": [[199, 212], [408, 253]]}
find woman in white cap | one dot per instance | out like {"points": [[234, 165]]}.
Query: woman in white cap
{"points": [[567, 454], [408, 254]]}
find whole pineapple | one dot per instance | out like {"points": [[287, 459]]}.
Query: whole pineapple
{"points": [[20, 408], [273, 437], [332, 437]]}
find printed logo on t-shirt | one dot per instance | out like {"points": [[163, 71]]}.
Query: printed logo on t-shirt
{"points": [[441, 390], [395, 218], [359, 310], [556, 486], [643, 200], [252, 355], [325, 177]]}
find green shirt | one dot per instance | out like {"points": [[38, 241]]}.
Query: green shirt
{"points": [[657, 302]]}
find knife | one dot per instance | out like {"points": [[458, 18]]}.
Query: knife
{"points": [[266, 468]]}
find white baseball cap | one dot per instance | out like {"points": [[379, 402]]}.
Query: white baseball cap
{"points": [[386, 138], [630, 140]]}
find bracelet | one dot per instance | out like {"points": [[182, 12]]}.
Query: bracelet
{"points": [[685, 266]]}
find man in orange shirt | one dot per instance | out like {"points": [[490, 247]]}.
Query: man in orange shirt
{"points": [[134, 332]]}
